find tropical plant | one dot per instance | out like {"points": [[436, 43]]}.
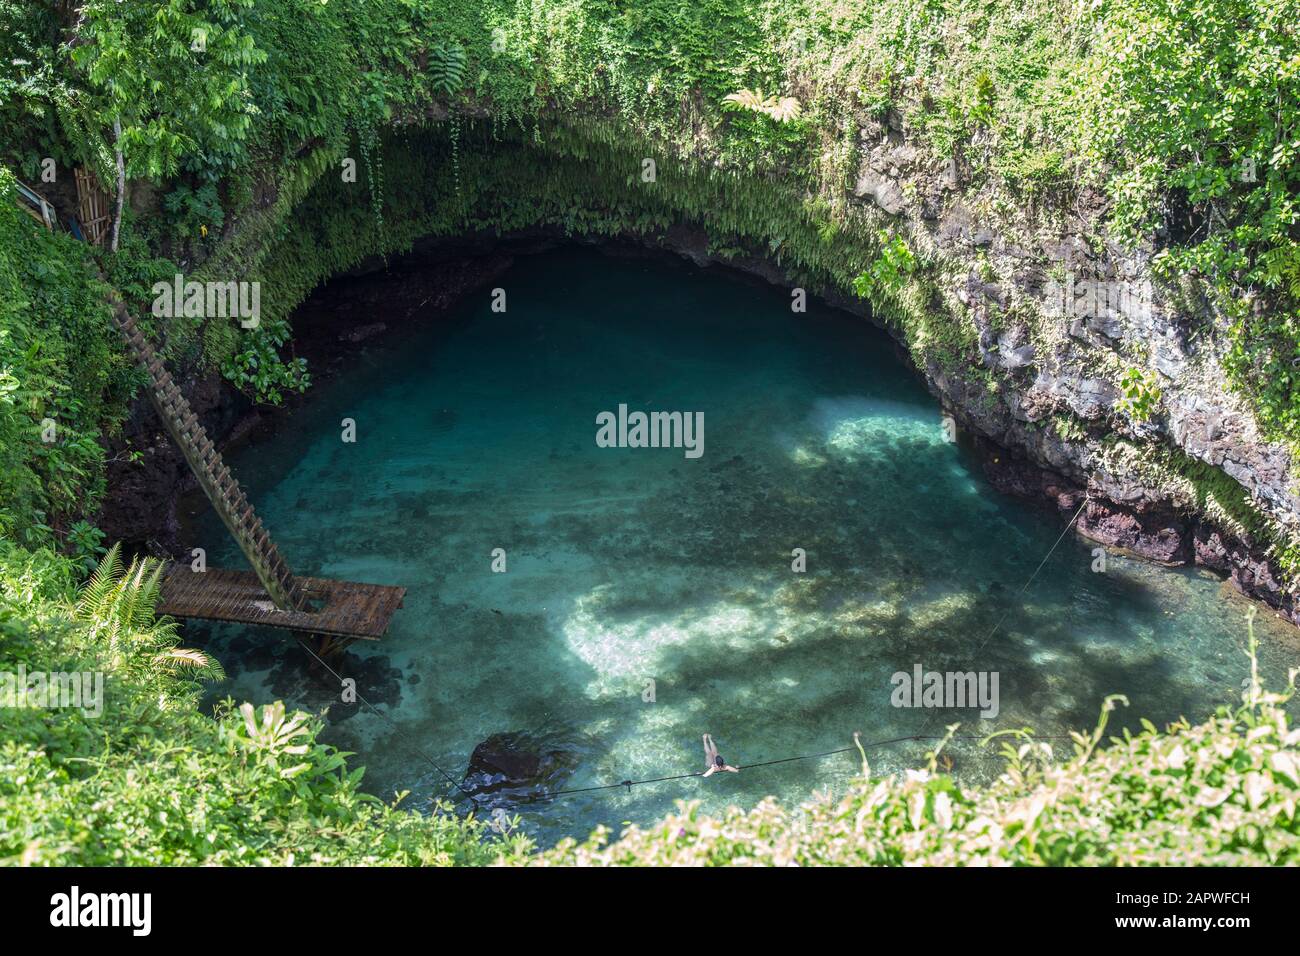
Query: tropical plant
{"points": [[984, 98], [1195, 108], [1139, 394], [259, 370], [170, 83], [1191, 106], [194, 212], [62, 377], [780, 108], [117, 604], [447, 67], [86, 543], [887, 273]]}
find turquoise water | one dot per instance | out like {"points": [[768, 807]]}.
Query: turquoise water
{"points": [[476, 431]]}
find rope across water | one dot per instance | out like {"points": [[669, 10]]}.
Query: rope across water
{"points": [[629, 784], [871, 745]]}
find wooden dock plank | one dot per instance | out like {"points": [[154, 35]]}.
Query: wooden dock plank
{"points": [[350, 609]]}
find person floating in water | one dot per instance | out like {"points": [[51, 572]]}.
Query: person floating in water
{"points": [[714, 759]]}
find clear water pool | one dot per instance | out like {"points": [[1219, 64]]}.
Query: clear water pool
{"points": [[476, 431]]}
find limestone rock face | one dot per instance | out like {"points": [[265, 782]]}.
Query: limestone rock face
{"points": [[882, 189], [1062, 314]]}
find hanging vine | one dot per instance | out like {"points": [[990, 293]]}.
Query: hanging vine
{"points": [[447, 77], [373, 158], [455, 150]]}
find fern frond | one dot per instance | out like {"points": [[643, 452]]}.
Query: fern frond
{"points": [[743, 100], [95, 592], [782, 109], [447, 67], [150, 590], [128, 600], [189, 658]]}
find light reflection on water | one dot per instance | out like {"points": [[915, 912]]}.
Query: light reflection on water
{"points": [[628, 566]]}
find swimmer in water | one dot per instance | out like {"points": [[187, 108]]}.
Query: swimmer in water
{"points": [[714, 759]]}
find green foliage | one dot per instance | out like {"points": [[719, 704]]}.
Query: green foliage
{"points": [[767, 128], [259, 369], [195, 213], [116, 607], [447, 67], [28, 37], [86, 543], [1069, 428], [680, 80], [888, 271], [984, 98], [61, 376], [150, 780], [1139, 394], [1171, 98], [1195, 113], [782, 109], [176, 79]]}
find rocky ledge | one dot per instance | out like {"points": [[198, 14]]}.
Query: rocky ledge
{"points": [[1060, 316]]}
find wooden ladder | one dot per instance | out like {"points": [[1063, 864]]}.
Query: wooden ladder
{"points": [[214, 477]]}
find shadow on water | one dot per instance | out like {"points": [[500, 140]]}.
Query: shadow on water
{"points": [[649, 597]]}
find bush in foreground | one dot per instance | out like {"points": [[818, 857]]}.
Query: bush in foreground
{"points": [[150, 780], [1223, 792]]}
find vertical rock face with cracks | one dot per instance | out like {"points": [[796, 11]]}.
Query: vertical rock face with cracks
{"points": [[140, 508], [1049, 382]]}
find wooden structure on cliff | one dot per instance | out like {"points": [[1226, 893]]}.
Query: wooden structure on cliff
{"points": [[338, 611], [92, 203]]}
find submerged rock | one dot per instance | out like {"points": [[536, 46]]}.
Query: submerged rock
{"points": [[498, 759], [362, 332], [517, 766]]}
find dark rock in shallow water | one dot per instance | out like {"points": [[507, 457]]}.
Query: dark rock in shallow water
{"points": [[516, 766], [258, 656], [296, 679], [362, 332], [497, 759], [1153, 533]]}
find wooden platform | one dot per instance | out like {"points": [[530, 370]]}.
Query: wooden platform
{"points": [[346, 609]]}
